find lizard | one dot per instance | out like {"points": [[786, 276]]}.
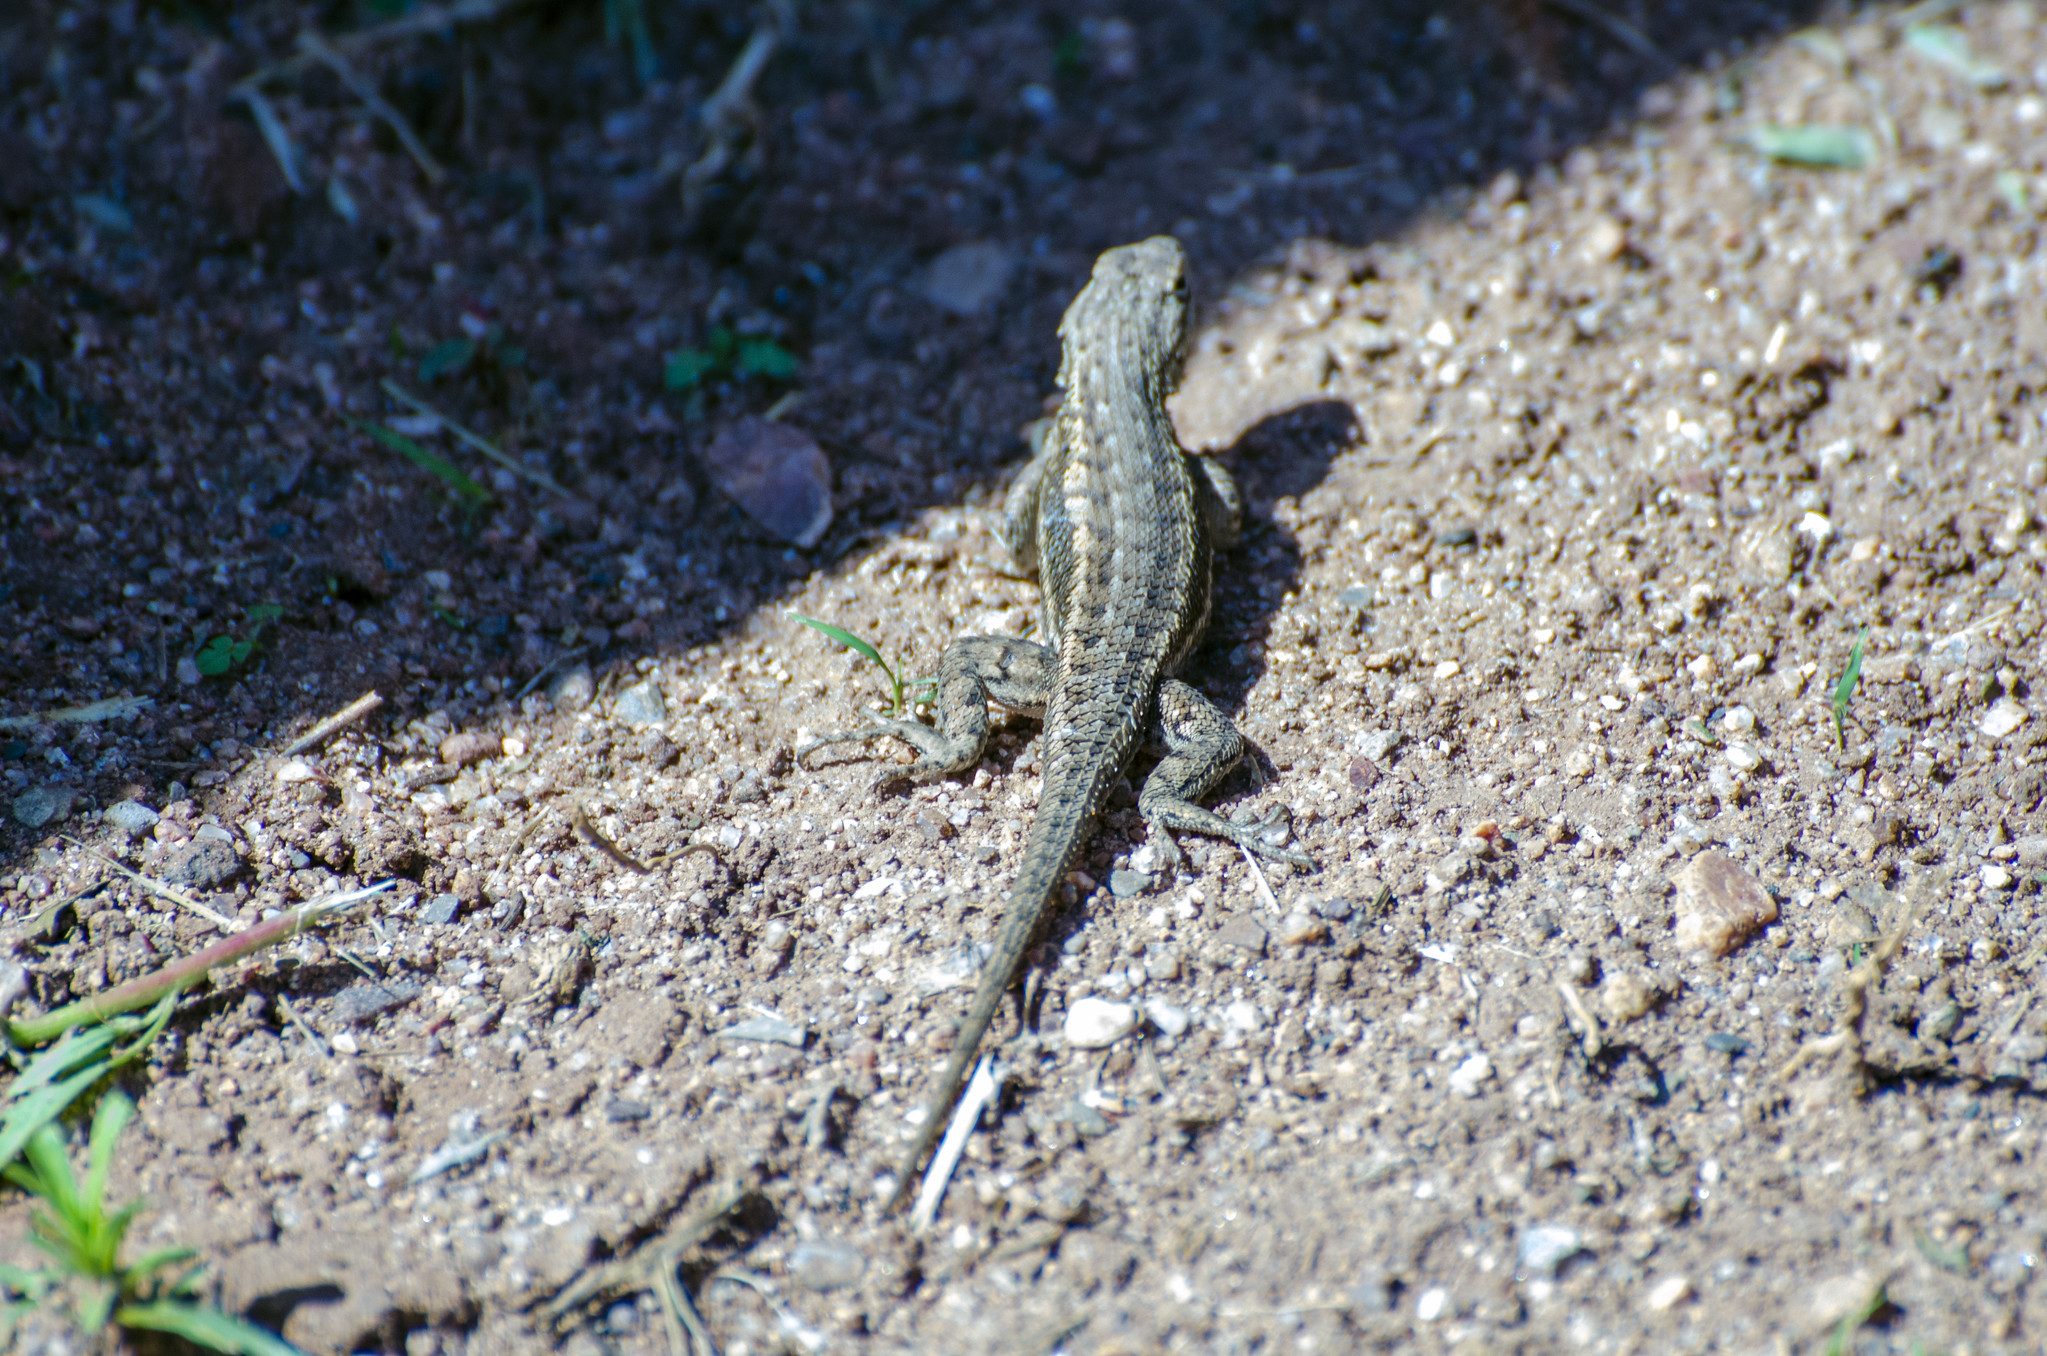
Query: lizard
{"points": [[1122, 526]]}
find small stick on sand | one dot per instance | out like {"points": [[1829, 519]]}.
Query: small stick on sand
{"points": [[347, 715], [981, 1091], [316, 47], [167, 891], [313, 1038]]}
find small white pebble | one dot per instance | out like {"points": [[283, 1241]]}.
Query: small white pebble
{"points": [[1996, 878], [1430, 1306], [2003, 718], [1447, 670], [1467, 1077], [1167, 1017], [1669, 1292], [1243, 1017], [1094, 1023], [1739, 719], [1743, 757]]}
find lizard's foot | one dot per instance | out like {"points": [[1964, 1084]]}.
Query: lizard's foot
{"points": [[1261, 839], [1166, 855], [848, 737], [942, 756]]}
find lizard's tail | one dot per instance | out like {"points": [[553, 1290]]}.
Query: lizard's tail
{"points": [[1049, 852]]}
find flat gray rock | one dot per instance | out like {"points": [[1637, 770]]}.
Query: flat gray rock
{"points": [[201, 864]]}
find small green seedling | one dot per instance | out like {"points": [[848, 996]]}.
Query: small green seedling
{"points": [[1698, 730], [218, 654], [472, 495], [726, 354], [1843, 1341], [897, 685], [452, 357], [1815, 145], [84, 1239], [1845, 689]]}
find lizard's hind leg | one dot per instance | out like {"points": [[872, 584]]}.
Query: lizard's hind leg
{"points": [[974, 671], [1202, 746]]}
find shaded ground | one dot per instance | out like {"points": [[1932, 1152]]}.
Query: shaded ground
{"points": [[1577, 459]]}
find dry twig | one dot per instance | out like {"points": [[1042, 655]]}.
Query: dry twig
{"points": [[652, 1267], [729, 116], [318, 48], [481, 444], [346, 716], [589, 833], [167, 891], [1855, 988]]}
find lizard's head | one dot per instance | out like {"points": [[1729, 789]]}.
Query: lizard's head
{"points": [[1135, 303]]}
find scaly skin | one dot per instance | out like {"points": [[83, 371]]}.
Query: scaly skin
{"points": [[1121, 524]]}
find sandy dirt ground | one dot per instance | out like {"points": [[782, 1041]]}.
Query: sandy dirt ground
{"points": [[1658, 990]]}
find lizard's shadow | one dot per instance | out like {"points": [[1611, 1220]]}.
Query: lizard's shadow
{"points": [[1279, 459]]}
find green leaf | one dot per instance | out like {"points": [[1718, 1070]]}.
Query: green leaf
{"points": [[216, 656], [109, 1119], [446, 358], [687, 367], [1823, 145], [765, 358], [1845, 689], [511, 355], [859, 646], [1955, 1258], [1946, 45], [450, 474], [262, 614], [21, 1281], [31, 1113], [720, 341], [844, 637], [201, 1326], [153, 1262]]}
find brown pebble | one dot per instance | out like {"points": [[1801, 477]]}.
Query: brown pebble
{"points": [[1299, 929], [1364, 773], [470, 746], [1624, 997], [1244, 932], [1719, 905]]}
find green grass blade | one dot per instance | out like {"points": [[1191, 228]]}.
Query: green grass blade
{"points": [[32, 1113], [845, 638], [159, 1018], [74, 1050], [453, 476], [858, 646], [1824, 146], [1845, 689], [22, 1281], [109, 1119], [209, 1328], [52, 1167], [151, 1263]]}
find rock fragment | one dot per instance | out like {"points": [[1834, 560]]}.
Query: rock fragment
{"points": [[1719, 905], [1096, 1023], [201, 864], [778, 475]]}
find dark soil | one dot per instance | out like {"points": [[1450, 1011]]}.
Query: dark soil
{"points": [[1581, 442]]}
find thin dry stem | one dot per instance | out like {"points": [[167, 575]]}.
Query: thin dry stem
{"points": [[162, 888], [346, 716]]}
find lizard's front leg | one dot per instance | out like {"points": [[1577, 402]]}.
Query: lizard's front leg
{"points": [[974, 670], [1202, 746]]}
